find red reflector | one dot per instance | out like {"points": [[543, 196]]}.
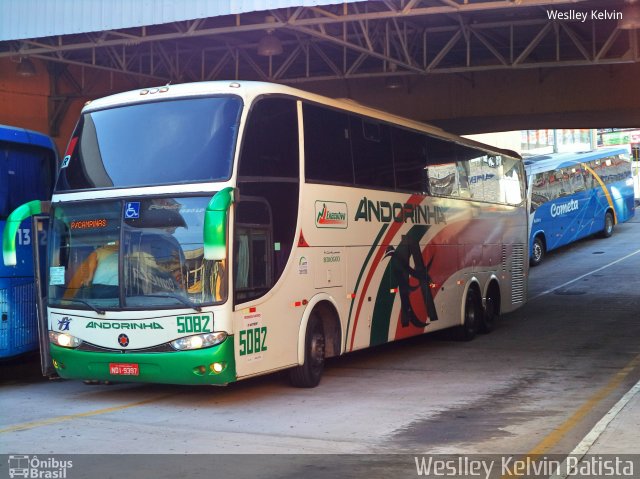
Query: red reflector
{"points": [[252, 309], [297, 303], [304, 302]]}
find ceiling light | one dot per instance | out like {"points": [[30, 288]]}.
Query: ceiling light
{"points": [[393, 82], [26, 68], [269, 45], [630, 16]]}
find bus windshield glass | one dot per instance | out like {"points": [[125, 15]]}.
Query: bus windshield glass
{"points": [[163, 142], [133, 254]]}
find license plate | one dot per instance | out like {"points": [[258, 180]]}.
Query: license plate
{"points": [[124, 369]]}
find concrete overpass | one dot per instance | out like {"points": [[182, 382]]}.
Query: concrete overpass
{"points": [[468, 65]]}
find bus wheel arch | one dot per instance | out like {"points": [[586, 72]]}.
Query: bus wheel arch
{"points": [[472, 312], [492, 306], [319, 337], [538, 249]]}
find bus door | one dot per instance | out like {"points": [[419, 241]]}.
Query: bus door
{"points": [[581, 184], [40, 225], [564, 210]]}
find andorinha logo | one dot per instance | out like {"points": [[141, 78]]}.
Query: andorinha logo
{"points": [[331, 214], [561, 209], [120, 325], [34, 467], [386, 212]]}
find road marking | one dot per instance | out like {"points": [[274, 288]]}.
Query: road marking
{"points": [[583, 447], [557, 434], [584, 275], [55, 420], [554, 437]]}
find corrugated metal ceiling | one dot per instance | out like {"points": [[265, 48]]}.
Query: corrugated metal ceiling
{"points": [[20, 19]]}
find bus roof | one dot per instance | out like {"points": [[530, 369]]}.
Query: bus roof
{"points": [[540, 163], [25, 137], [248, 90]]}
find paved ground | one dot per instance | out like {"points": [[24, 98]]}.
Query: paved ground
{"points": [[536, 385]]}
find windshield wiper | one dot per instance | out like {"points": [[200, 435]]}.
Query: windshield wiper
{"points": [[182, 299], [86, 303]]}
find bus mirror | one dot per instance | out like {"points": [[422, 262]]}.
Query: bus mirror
{"points": [[215, 225], [16, 217]]}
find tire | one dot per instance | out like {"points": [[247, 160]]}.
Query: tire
{"points": [[308, 375], [472, 317], [608, 225], [538, 251], [491, 312]]}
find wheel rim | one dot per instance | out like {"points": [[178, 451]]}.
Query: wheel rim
{"points": [[608, 223], [537, 251]]}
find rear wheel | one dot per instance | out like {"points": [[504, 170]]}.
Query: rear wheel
{"points": [[608, 225], [308, 375], [472, 317], [538, 251], [491, 311]]}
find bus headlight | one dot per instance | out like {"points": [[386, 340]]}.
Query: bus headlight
{"points": [[64, 339], [199, 341]]}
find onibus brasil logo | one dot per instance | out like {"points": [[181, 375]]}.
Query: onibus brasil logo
{"points": [[331, 214], [34, 467]]}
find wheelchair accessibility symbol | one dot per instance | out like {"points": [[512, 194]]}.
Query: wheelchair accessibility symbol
{"points": [[132, 210]]}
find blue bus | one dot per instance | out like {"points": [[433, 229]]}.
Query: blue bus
{"points": [[574, 195], [27, 172]]}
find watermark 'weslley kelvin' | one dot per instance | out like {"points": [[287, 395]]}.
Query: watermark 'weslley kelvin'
{"points": [[583, 16]]}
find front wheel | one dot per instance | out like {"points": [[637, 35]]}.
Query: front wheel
{"points": [[608, 225], [308, 375]]}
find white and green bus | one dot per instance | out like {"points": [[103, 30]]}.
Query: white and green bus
{"points": [[210, 232]]}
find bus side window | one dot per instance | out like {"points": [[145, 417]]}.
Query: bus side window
{"points": [[372, 157], [577, 179], [563, 179], [441, 167], [327, 146], [540, 191], [410, 160]]}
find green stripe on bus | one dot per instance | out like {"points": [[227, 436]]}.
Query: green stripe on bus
{"points": [[374, 246]]}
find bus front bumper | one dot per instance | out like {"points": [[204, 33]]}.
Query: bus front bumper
{"points": [[181, 367]]}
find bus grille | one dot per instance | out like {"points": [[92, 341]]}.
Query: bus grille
{"points": [[504, 258], [19, 327], [517, 274]]}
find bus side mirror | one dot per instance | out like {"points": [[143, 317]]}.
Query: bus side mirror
{"points": [[16, 217], [215, 225]]}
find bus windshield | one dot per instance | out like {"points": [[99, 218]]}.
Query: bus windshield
{"points": [[136, 254], [163, 142]]}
